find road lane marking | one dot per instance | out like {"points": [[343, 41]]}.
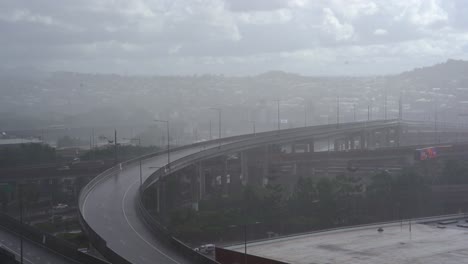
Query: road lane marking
{"points": [[142, 238]]}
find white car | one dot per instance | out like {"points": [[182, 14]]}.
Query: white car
{"points": [[60, 206], [207, 248]]}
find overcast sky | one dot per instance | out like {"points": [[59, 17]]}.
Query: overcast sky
{"points": [[232, 37]]}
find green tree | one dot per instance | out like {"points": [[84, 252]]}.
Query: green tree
{"points": [[455, 172]]}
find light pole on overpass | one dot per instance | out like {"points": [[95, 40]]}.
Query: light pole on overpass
{"points": [[279, 121], [20, 193], [305, 115], [168, 144], [219, 123], [354, 110], [245, 237], [337, 111]]}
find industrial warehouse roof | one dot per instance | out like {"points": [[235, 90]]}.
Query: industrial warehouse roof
{"points": [[426, 243]]}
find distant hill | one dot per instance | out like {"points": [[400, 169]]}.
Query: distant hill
{"points": [[452, 73]]}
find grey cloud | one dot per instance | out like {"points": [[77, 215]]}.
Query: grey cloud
{"points": [[210, 35], [258, 5]]}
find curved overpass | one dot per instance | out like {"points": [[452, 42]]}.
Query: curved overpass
{"points": [[109, 203]]}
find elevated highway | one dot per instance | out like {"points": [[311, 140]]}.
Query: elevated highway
{"points": [[109, 204]]}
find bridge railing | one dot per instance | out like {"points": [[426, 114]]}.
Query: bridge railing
{"points": [[321, 131]]}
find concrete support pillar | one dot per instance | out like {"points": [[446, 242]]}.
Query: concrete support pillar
{"points": [[336, 145], [244, 167], [201, 182], [351, 143], [362, 141], [399, 134], [194, 189], [158, 197], [311, 145], [387, 137], [370, 139], [293, 148], [162, 197], [224, 177], [266, 165]]}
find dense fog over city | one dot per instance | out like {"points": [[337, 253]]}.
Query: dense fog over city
{"points": [[119, 63], [179, 131]]}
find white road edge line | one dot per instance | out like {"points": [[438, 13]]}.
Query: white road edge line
{"points": [[128, 222], [16, 253], [87, 195]]}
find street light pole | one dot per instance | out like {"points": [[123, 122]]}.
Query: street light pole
{"points": [[337, 111], [115, 146], [245, 243], [210, 131], [368, 112], [168, 144], [279, 121], [21, 221], [354, 109], [219, 124], [141, 176], [305, 115]]}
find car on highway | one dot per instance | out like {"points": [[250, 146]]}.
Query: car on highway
{"points": [[206, 249], [60, 206]]}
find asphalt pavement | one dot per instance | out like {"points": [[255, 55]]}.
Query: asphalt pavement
{"points": [[110, 209]]}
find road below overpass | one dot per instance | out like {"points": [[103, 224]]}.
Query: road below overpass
{"points": [[109, 207], [33, 253]]}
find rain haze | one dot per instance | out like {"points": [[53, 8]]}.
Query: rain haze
{"points": [[233, 131]]}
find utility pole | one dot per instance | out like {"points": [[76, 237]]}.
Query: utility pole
{"points": [[400, 109], [141, 176], [21, 221], [436, 133], [219, 124], [245, 243], [115, 146], [305, 115], [253, 127], [337, 111], [279, 121], [368, 112], [168, 144], [210, 131], [354, 109], [385, 104]]}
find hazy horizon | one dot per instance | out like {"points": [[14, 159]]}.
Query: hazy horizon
{"points": [[23, 70]]}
